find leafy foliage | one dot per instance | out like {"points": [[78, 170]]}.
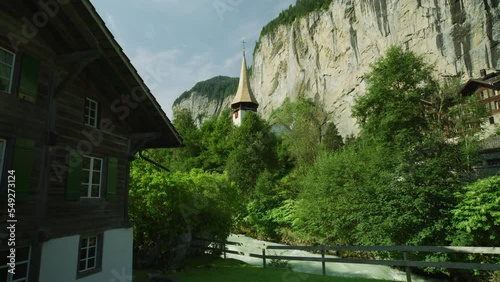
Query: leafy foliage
{"points": [[305, 123], [165, 206], [253, 152], [394, 109], [332, 140], [395, 183], [477, 215], [215, 138]]}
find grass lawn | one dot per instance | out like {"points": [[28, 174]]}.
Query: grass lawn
{"points": [[210, 269]]}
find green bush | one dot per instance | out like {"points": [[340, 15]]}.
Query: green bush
{"points": [[165, 206], [477, 215]]}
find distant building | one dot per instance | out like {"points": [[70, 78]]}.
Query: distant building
{"points": [[243, 100], [488, 88], [73, 113]]}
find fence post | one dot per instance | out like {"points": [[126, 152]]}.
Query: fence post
{"points": [[407, 268], [224, 249], [264, 257], [323, 259]]}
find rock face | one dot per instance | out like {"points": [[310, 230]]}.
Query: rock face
{"points": [[203, 107], [208, 98], [326, 54]]}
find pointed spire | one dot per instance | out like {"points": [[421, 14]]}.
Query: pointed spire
{"points": [[244, 93]]}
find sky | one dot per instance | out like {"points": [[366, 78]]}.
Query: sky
{"points": [[175, 43]]}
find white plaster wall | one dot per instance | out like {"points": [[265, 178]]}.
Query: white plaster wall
{"points": [[237, 121], [59, 258]]}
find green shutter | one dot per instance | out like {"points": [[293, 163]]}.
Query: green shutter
{"points": [[74, 180], [23, 165], [111, 179], [28, 85]]}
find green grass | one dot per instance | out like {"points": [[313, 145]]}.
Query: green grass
{"points": [[210, 269]]}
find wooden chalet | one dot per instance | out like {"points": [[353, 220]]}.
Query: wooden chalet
{"points": [[487, 87], [73, 113]]}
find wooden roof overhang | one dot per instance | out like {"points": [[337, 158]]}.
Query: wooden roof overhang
{"points": [[490, 82], [78, 37]]}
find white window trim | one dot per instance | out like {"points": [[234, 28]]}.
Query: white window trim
{"points": [[87, 257], [9, 90], [3, 144], [27, 262], [87, 112], [90, 170]]}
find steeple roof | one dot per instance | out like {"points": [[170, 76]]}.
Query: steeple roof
{"points": [[244, 93]]}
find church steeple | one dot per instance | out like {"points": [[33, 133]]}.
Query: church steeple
{"points": [[244, 99]]}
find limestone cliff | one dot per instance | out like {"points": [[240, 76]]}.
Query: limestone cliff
{"points": [[326, 54], [208, 98]]}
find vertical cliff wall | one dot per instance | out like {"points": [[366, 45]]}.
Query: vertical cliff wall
{"points": [[326, 54]]}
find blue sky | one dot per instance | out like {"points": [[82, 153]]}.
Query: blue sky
{"points": [[174, 44]]}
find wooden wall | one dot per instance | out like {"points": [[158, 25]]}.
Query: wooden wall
{"points": [[46, 207]]}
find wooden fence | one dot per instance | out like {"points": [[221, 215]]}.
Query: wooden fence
{"points": [[405, 250]]}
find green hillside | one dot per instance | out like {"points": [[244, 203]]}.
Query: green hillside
{"points": [[216, 88]]}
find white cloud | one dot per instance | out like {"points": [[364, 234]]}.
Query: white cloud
{"points": [[113, 27], [168, 74]]}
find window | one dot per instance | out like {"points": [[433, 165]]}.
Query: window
{"points": [[22, 265], [89, 259], [492, 120], [6, 70], [91, 178], [2, 156], [91, 110], [493, 162]]}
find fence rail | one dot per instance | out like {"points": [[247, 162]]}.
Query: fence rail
{"points": [[405, 250]]}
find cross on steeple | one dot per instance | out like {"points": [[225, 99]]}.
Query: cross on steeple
{"points": [[243, 42]]}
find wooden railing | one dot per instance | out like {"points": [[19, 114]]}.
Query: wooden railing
{"points": [[405, 250]]}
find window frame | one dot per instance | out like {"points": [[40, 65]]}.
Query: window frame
{"points": [[12, 71], [87, 110], [10, 277], [97, 255], [89, 171]]}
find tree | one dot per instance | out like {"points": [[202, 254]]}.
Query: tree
{"points": [[306, 122], [215, 139], [253, 151], [332, 140], [393, 110], [395, 184], [186, 158]]}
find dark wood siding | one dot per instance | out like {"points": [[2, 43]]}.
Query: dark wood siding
{"points": [[20, 118]]}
